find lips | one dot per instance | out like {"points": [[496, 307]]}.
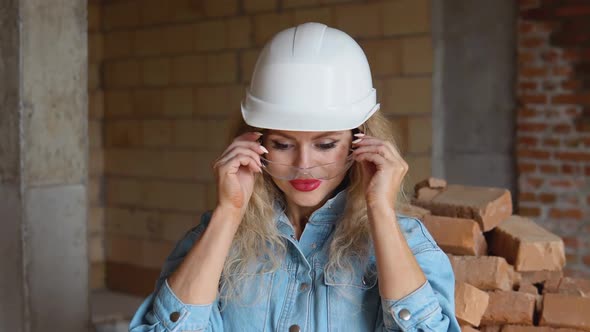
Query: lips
{"points": [[305, 185]]}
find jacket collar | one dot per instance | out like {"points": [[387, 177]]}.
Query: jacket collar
{"points": [[328, 213]]}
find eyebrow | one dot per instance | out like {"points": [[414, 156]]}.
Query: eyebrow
{"points": [[314, 137]]}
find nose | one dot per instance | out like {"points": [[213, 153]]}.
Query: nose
{"points": [[303, 158]]}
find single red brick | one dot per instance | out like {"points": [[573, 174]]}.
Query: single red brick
{"points": [[532, 72], [524, 57], [527, 112], [488, 206], [570, 55], [532, 42], [525, 27], [509, 307], [582, 99], [456, 236], [550, 56], [551, 142], [527, 197], [533, 99], [526, 167], [530, 211], [549, 169], [493, 273], [527, 86], [574, 286], [532, 127], [468, 328], [562, 128], [546, 198], [426, 193], [548, 279], [562, 71], [573, 156], [412, 211], [490, 328], [431, 182], [565, 213], [571, 84], [523, 328], [549, 86], [526, 245], [534, 154], [561, 310], [529, 141], [580, 10], [470, 303]]}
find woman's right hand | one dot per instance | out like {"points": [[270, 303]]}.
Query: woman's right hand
{"points": [[235, 171]]}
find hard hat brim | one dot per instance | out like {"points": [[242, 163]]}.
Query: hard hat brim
{"points": [[261, 114]]}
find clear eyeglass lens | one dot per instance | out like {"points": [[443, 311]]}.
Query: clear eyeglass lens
{"points": [[320, 172]]}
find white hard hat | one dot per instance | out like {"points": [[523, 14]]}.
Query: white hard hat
{"points": [[310, 78]]}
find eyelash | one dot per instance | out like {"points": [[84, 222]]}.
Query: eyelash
{"points": [[323, 146]]}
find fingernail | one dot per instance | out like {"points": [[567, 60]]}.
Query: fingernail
{"points": [[359, 135], [263, 149], [357, 140], [258, 133]]}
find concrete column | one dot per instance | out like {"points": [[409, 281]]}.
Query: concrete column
{"points": [[474, 92], [43, 166]]}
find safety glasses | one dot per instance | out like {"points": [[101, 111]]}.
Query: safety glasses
{"points": [[319, 172]]}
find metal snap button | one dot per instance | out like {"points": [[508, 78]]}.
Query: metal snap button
{"points": [[304, 286], [404, 314], [294, 328], [174, 316]]}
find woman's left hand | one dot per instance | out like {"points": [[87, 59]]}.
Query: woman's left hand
{"points": [[383, 168]]}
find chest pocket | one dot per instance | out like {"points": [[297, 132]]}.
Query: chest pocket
{"points": [[353, 301]]}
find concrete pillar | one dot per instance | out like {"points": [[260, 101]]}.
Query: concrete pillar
{"points": [[474, 92], [43, 166]]}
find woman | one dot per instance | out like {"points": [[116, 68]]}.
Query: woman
{"points": [[305, 235]]}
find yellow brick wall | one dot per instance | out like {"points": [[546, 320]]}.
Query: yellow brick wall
{"points": [[96, 210], [173, 72]]}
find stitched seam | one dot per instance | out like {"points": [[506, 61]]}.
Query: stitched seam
{"points": [[272, 280]]}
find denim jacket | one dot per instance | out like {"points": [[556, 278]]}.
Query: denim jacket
{"points": [[298, 296]]}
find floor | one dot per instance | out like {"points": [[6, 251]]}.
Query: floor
{"points": [[112, 311]]}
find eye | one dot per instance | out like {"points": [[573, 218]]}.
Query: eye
{"points": [[327, 146], [279, 146]]}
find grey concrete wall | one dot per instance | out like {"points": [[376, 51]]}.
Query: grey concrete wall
{"points": [[474, 96], [43, 166]]}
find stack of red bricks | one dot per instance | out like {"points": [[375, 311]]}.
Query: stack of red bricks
{"points": [[508, 269]]}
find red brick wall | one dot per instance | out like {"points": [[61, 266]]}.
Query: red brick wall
{"points": [[553, 132]]}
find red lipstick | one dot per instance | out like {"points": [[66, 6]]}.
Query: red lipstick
{"points": [[305, 185]]}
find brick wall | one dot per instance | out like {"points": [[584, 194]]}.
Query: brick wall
{"points": [[553, 148], [96, 155], [173, 71]]}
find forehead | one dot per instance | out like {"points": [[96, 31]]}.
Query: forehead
{"points": [[307, 135]]}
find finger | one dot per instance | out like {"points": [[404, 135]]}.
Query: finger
{"points": [[233, 165], [240, 151], [371, 157], [378, 149], [230, 151], [255, 148], [368, 140]]}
